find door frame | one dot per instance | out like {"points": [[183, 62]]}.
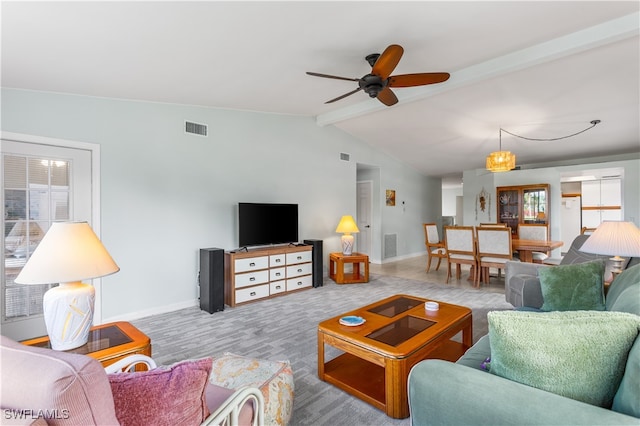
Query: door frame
{"points": [[94, 148]]}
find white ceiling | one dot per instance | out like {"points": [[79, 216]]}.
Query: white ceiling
{"points": [[539, 69]]}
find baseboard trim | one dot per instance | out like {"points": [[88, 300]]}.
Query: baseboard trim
{"points": [[397, 258], [154, 311]]}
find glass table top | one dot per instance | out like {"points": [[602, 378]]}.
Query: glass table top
{"points": [[395, 307], [401, 330], [99, 339]]}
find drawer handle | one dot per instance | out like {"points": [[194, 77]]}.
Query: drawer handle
{"points": [[278, 287], [252, 279], [299, 282], [253, 293], [252, 264], [277, 260], [278, 274], [299, 257], [299, 270]]}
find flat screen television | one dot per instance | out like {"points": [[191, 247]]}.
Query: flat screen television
{"points": [[266, 223]]}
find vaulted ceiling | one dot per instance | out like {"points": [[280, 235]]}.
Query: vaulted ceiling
{"points": [[538, 69]]}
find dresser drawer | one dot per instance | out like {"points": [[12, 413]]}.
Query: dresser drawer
{"points": [[252, 278], [300, 282], [278, 287], [252, 293], [277, 260], [298, 257], [251, 264], [277, 274], [298, 270]]}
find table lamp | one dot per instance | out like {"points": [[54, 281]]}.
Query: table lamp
{"points": [[346, 227], [614, 238], [68, 253]]}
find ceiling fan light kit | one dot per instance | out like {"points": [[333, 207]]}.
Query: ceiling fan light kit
{"points": [[378, 83]]}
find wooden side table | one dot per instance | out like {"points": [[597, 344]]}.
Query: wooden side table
{"points": [[107, 343], [336, 268]]}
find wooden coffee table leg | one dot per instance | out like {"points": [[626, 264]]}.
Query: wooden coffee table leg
{"points": [[396, 375], [467, 333], [320, 356]]}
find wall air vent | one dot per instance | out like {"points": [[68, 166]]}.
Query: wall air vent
{"points": [[344, 156], [390, 248], [195, 128]]}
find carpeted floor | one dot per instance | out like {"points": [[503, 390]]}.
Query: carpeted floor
{"points": [[286, 328]]}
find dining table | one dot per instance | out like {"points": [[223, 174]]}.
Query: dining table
{"points": [[527, 247]]}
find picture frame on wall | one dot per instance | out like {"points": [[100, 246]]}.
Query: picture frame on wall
{"points": [[391, 197]]}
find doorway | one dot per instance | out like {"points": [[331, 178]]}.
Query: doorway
{"points": [[364, 212]]}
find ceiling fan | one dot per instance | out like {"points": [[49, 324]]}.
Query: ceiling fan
{"points": [[378, 83]]}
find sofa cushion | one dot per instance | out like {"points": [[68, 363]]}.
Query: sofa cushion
{"points": [[273, 378], [628, 282], [163, 396], [72, 388], [626, 400], [477, 354], [576, 354], [573, 287]]}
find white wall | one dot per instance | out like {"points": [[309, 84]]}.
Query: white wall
{"points": [[165, 194], [449, 197], [475, 180]]}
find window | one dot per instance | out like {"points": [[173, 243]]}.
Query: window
{"points": [[36, 192]]}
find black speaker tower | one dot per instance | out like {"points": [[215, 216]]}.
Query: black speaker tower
{"points": [[317, 261], [211, 279]]}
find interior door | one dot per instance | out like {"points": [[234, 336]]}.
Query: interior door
{"points": [[364, 216], [42, 184]]}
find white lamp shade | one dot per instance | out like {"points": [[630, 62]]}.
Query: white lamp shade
{"points": [[69, 252], [614, 238], [347, 225]]}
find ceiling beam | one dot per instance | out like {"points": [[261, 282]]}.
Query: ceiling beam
{"points": [[608, 32]]}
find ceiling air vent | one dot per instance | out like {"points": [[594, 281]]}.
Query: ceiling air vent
{"points": [[195, 128], [344, 156]]}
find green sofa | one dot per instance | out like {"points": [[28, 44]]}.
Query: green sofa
{"points": [[463, 393]]}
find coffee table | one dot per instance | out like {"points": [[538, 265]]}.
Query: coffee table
{"points": [[378, 355]]}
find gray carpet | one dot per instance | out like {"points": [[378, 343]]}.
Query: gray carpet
{"points": [[286, 328]]}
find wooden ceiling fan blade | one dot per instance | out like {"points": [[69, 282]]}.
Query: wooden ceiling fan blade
{"points": [[316, 74], [344, 96], [388, 61], [420, 79], [387, 97]]}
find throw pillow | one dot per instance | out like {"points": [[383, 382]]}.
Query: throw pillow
{"points": [[163, 396], [573, 287], [578, 354]]}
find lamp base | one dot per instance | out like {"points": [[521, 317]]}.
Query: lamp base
{"points": [[68, 314], [616, 264], [347, 244]]}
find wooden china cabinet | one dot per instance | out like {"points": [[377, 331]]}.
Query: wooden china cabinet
{"points": [[523, 204]]}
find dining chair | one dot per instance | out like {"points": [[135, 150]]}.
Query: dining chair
{"points": [[587, 231], [435, 247], [499, 225], [494, 250], [460, 244], [534, 231]]}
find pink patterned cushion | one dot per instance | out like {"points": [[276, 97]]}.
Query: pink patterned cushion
{"points": [[63, 388], [164, 396], [273, 378]]}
